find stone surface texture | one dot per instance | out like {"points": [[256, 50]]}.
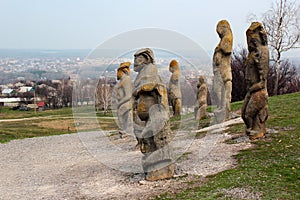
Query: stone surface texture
{"points": [[255, 107]]}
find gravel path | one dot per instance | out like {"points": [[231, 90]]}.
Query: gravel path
{"points": [[84, 166]]}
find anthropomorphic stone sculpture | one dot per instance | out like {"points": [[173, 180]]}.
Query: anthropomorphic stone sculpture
{"points": [[151, 117], [201, 98], [255, 107], [174, 88], [222, 80], [124, 99]]}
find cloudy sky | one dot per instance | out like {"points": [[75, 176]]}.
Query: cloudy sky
{"points": [[84, 24]]}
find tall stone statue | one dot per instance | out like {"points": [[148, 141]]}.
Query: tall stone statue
{"points": [[222, 80], [201, 98], [174, 87], [124, 99], [151, 117], [255, 107]]}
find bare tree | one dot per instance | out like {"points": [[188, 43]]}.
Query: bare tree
{"points": [[67, 95], [288, 82], [238, 60], [281, 23], [26, 97], [104, 95]]}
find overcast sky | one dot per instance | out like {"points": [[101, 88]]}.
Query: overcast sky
{"points": [[84, 24]]}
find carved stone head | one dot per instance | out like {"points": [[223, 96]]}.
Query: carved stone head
{"points": [[174, 66], [201, 81], [223, 28], [256, 36], [143, 57], [123, 69]]}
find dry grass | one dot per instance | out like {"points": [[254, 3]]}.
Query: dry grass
{"points": [[60, 124]]}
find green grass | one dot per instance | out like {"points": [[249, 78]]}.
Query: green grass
{"points": [[32, 128], [102, 114], [26, 129], [107, 124], [270, 170], [56, 126], [6, 113], [236, 105]]}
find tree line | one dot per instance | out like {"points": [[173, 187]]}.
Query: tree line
{"points": [[288, 79]]}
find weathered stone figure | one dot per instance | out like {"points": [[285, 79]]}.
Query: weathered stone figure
{"points": [[255, 107], [151, 117], [201, 98], [222, 81], [174, 87], [124, 99]]}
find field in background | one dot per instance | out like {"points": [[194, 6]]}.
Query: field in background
{"points": [[17, 124]]}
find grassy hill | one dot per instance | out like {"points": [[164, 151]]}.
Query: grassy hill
{"points": [[270, 170]]}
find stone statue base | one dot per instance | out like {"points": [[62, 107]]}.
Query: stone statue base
{"points": [[220, 115], [255, 114], [158, 164], [163, 173], [200, 113]]}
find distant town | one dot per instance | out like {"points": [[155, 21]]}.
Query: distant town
{"points": [[46, 79]]}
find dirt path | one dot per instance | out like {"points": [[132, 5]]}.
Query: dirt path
{"points": [[94, 165]]}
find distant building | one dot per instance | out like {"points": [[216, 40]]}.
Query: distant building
{"points": [[21, 78], [19, 84], [41, 105], [25, 89], [3, 87], [7, 92], [56, 81], [10, 102]]}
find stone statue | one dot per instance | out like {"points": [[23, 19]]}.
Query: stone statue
{"points": [[222, 80], [174, 87], [255, 107], [201, 98], [151, 117], [124, 99]]}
